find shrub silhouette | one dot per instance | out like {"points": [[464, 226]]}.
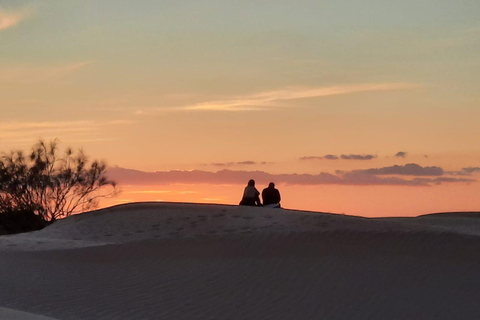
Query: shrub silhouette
{"points": [[51, 186], [12, 222]]}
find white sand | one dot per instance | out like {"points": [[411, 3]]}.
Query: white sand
{"points": [[143, 221], [191, 261]]}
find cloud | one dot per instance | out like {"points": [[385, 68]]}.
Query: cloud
{"points": [[410, 169], [311, 158], [26, 74], [68, 68], [9, 19], [330, 157], [401, 154], [18, 134], [129, 176], [240, 163], [248, 163], [159, 192], [357, 156], [448, 179], [343, 156], [465, 171], [360, 177], [225, 177], [471, 169], [263, 100]]}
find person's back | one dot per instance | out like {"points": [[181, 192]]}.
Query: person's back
{"points": [[271, 196], [251, 195]]}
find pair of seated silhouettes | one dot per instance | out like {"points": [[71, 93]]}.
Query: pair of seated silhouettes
{"points": [[271, 196]]}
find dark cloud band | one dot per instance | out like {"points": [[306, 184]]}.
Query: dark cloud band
{"points": [[356, 177], [343, 156], [410, 169]]}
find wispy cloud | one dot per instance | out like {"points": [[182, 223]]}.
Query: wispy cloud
{"points": [[19, 134], [239, 163], [465, 171], [343, 156], [357, 156], [267, 99], [330, 157], [472, 169], [68, 68], [9, 19], [410, 169], [311, 158], [161, 192], [34, 73]]}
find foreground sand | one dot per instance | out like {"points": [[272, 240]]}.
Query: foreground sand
{"points": [[188, 261]]}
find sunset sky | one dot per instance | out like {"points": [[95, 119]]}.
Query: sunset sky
{"points": [[361, 107]]}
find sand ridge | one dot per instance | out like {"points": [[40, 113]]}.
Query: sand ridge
{"points": [[143, 221]]}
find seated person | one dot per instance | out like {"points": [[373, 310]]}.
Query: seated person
{"points": [[251, 195], [271, 196]]}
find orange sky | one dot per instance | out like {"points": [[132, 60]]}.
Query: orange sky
{"points": [[283, 87], [371, 201]]}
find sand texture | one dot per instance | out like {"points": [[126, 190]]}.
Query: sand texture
{"points": [[192, 261]]}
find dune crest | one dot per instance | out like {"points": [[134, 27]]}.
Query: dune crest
{"points": [[154, 220]]}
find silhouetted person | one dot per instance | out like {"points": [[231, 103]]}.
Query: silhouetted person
{"points": [[271, 196], [251, 195]]}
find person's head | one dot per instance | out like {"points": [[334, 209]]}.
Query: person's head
{"points": [[251, 183], [271, 185]]}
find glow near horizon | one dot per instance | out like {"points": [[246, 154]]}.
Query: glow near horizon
{"points": [[149, 85]]}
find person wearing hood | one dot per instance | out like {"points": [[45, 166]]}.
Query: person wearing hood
{"points": [[271, 196]]}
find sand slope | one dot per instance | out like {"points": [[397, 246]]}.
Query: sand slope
{"points": [[20, 315], [188, 261], [142, 221]]}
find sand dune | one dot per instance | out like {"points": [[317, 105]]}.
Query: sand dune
{"points": [[20, 315], [191, 261], [143, 221]]}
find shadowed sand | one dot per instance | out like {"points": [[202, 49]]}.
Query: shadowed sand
{"points": [[20, 315], [191, 261]]}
